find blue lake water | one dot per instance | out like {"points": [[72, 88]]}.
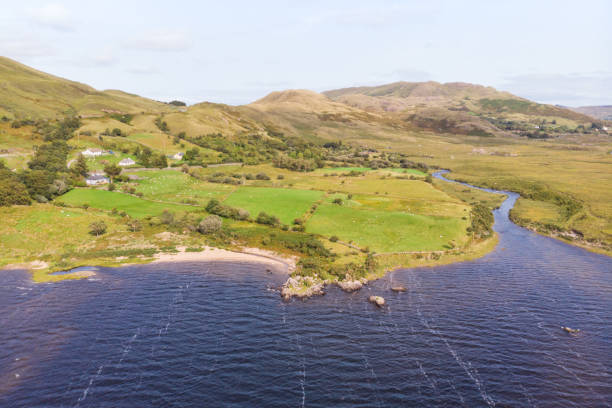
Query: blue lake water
{"points": [[481, 333]]}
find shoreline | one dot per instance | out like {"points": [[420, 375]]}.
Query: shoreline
{"points": [[40, 273], [213, 254]]}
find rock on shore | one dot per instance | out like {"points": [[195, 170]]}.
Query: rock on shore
{"points": [[352, 285], [302, 287]]}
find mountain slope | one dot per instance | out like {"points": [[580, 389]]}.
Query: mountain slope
{"points": [[28, 93], [603, 112], [457, 107]]}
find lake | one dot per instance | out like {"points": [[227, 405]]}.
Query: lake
{"points": [[473, 334]]}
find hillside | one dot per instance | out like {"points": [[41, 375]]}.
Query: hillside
{"points": [[603, 112], [459, 108], [28, 93]]}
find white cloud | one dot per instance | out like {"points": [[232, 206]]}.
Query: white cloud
{"points": [[53, 15], [142, 70], [166, 40], [104, 59], [25, 46]]}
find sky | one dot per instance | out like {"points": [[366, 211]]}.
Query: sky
{"points": [[235, 52]]}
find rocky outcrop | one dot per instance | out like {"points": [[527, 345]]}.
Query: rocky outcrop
{"points": [[349, 285], [377, 300], [302, 287]]}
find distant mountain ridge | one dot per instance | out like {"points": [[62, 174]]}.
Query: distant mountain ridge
{"points": [[603, 112], [453, 108]]}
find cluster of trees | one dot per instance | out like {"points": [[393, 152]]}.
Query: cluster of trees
{"points": [[147, 158], [297, 164], [161, 124], [482, 222], [123, 118], [113, 132], [47, 175], [225, 211]]}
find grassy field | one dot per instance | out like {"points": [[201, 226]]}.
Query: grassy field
{"points": [[39, 231], [387, 231], [107, 200], [286, 204], [175, 186]]}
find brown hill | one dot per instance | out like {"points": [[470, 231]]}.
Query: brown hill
{"points": [[603, 112], [28, 93]]}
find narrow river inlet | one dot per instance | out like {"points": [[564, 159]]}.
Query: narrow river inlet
{"points": [[485, 333]]}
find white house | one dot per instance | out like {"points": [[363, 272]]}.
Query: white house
{"points": [[178, 156], [127, 162], [93, 152], [96, 179]]}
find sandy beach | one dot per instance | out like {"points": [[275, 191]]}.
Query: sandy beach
{"points": [[211, 254]]}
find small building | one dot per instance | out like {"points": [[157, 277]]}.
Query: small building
{"points": [[96, 179], [93, 152], [126, 162], [178, 156]]}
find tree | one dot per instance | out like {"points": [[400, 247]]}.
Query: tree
{"points": [[167, 217], [50, 156], [112, 170], [12, 190], [210, 224], [80, 166], [159, 161], [97, 228], [134, 225]]}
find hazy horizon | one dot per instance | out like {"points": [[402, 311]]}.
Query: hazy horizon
{"points": [[237, 52]]}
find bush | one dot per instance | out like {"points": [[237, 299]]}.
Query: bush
{"points": [[333, 238], [280, 177], [134, 225], [215, 207], [267, 219], [262, 176], [97, 228], [167, 217], [210, 224], [338, 201]]}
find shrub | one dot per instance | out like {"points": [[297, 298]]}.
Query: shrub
{"points": [[262, 176], [215, 207], [210, 224], [97, 228], [267, 219], [338, 201], [333, 238], [134, 225], [280, 177], [167, 217]]}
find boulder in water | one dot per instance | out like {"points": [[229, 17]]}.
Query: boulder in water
{"points": [[398, 289], [377, 300]]}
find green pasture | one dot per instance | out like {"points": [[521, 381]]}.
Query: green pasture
{"points": [[387, 231], [107, 200], [286, 204], [175, 186]]}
